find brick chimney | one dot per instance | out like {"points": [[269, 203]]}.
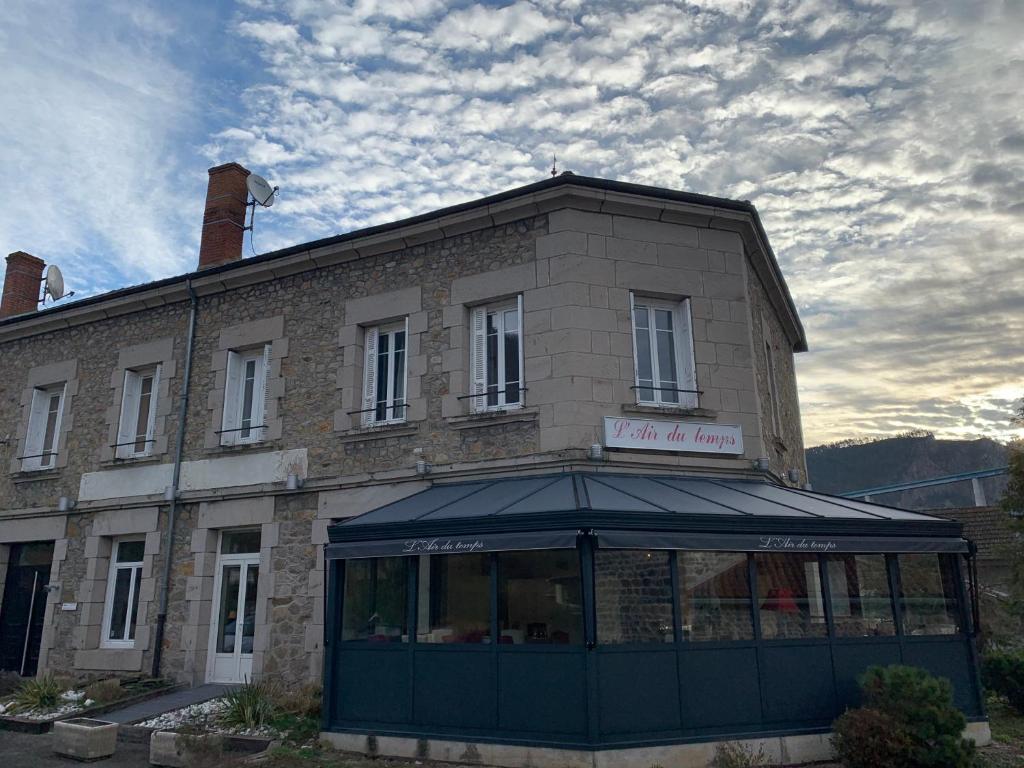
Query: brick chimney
{"points": [[224, 218], [21, 284]]}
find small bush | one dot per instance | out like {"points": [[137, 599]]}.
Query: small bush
{"points": [[732, 755], [866, 738], [302, 702], [9, 682], [39, 693], [918, 712], [1002, 672], [250, 705], [104, 691]]}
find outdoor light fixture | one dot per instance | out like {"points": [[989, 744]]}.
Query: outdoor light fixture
{"points": [[793, 475], [294, 482], [761, 464], [596, 452], [423, 467], [65, 504]]}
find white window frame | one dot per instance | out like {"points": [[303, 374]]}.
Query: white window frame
{"points": [[479, 383], [395, 410], [131, 401], [108, 604], [234, 396], [37, 455], [682, 342], [773, 387]]}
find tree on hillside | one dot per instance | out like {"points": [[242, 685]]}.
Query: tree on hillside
{"points": [[1013, 500]]}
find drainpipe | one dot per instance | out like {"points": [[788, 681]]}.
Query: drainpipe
{"points": [[165, 586]]}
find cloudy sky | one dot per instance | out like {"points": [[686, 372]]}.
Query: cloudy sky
{"points": [[882, 142]]}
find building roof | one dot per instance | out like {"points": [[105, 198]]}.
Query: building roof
{"points": [[611, 196], [636, 503]]}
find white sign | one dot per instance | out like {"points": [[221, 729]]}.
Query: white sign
{"points": [[684, 436], [69, 606]]}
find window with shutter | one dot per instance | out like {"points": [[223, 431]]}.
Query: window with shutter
{"points": [[663, 353], [245, 395], [138, 413], [43, 435], [496, 365], [384, 374]]}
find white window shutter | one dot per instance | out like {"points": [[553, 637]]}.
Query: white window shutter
{"points": [[154, 398], [38, 411], [232, 385], [262, 382], [370, 376], [684, 353], [522, 351], [130, 395], [632, 338], [478, 358]]}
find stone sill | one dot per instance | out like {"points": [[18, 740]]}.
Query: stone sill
{"points": [[378, 433], [660, 410], [132, 462], [222, 450], [493, 418], [31, 475]]}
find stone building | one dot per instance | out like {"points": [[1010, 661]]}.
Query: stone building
{"points": [[175, 451]]}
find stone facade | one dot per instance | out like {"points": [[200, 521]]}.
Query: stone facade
{"points": [[573, 257]]}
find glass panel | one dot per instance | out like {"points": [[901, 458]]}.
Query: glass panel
{"points": [[142, 422], [226, 628], [666, 356], [634, 597], [37, 553], [240, 542], [248, 384], [492, 359], [715, 596], [130, 551], [119, 605], [50, 438], [512, 356], [929, 595], [859, 590], [374, 602], [540, 597], [398, 388], [789, 588], [135, 603], [380, 414], [458, 590], [644, 363], [252, 578]]}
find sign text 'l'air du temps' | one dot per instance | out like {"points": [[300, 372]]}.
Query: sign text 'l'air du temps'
{"points": [[684, 436]]}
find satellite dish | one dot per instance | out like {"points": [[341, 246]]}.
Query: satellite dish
{"points": [[54, 283], [260, 190]]}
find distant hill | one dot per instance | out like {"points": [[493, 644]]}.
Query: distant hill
{"points": [[852, 465]]}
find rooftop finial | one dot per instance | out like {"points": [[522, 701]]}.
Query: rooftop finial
{"points": [[554, 165]]}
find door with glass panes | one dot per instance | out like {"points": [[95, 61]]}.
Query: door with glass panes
{"points": [[233, 624]]}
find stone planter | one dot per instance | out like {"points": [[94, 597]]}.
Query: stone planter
{"points": [[83, 738], [181, 750]]}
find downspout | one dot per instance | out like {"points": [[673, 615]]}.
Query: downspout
{"points": [[172, 509]]}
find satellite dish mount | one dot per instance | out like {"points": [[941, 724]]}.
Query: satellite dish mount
{"points": [[261, 194], [53, 285]]}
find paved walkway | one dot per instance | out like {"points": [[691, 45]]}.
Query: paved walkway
{"points": [[30, 750], [182, 697]]}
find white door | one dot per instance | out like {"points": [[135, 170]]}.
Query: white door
{"points": [[233, 623]]}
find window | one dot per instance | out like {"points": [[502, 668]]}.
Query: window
{"points": [[929, 595], [374, 602], [859, 589], [454, 599], [122, 605], [773, 388], [633, 590], [540, 597], [497, 356], [384, 374], [43, 434], [715, 599], [792, 604], [244, 397], [138, 413], [663, 353]]}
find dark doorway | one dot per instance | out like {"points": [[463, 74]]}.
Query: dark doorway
{"points": [[24, 606]]}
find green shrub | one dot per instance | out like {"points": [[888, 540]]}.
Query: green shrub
{"points": [[303, 701], [916, 707], [732, 755], [250, 705], [38, 693], [1002, 672], [104, 691], [866, 738]]}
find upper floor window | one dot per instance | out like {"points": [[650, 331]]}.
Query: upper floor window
{"points": [[43, 427], [663, 353], [245, 396], [122, 604], [496, 363], [384, 374], [138, 413]]}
